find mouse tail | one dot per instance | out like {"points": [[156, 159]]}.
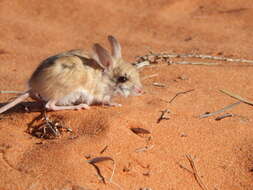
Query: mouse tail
{"points": [[19, 99]]}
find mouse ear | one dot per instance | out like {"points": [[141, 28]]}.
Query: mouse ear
{"points": [[115, 47], [102, 56]]}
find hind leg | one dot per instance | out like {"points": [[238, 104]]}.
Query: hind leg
{"points": [[51, 105]]}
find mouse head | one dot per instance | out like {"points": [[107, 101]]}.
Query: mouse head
{"points": [[123, 76]]}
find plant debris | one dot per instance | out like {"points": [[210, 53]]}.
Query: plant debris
{"points": [[45, 127], [194, 172], [179, 93], [159, 84], [153, 56], [224, 116], [150, 76], [237, 97], [208, 114], [183, 77], [162, 116], [104, 149], [192, 63], [102, 159], [99, 159], [140, 131]]}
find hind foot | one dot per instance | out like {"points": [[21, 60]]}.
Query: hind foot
{"points": [[50, 105]]}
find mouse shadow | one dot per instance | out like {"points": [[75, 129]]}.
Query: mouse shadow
{"points": [[25, 107]]}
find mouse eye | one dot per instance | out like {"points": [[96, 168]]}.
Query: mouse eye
{"points": [[122, 79]]}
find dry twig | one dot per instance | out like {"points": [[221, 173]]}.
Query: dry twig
{"points": [[237, 97], [192, 63], [179, 93], [224, 116], [162, 116], [97, 160], [149, 76], [101, 159], [194, 172], [210, 57], [219, 111], [104, 149], [159, 84]]}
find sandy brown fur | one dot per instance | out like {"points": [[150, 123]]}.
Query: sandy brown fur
{"points": [[76, 79], [53, 78]]}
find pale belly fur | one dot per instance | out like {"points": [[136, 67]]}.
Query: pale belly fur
{"points": [[77, 97]]}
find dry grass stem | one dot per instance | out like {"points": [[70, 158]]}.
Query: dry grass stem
{"points": [[210, 57], [97, 160], [104, 149], [219, 111], [101, 177], [194, 172], [193, 63], [149, 76], [159, 84], [179, 93], [237, 97], [224, 116]]}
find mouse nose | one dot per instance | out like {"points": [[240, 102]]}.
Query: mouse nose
{"points": [[139, 90]]}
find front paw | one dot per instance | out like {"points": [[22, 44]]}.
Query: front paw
{"points": [[114, 104]]}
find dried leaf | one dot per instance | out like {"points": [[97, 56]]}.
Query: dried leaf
{"points": [[140, 131], [99, 159]]}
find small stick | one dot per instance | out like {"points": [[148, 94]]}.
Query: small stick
{"points": [[159, 84], [237, 97], [193, 63], [162, 117], [219, 111], [10, 92], [110, 180], [183, 167], [167, 55], [97, 160], [104, 149], [149, 76], [142, 64], [194, 172], [179, 93], [224, 116], [100, 176]]}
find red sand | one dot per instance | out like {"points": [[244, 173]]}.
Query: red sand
{"points": [[222, 150]]}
